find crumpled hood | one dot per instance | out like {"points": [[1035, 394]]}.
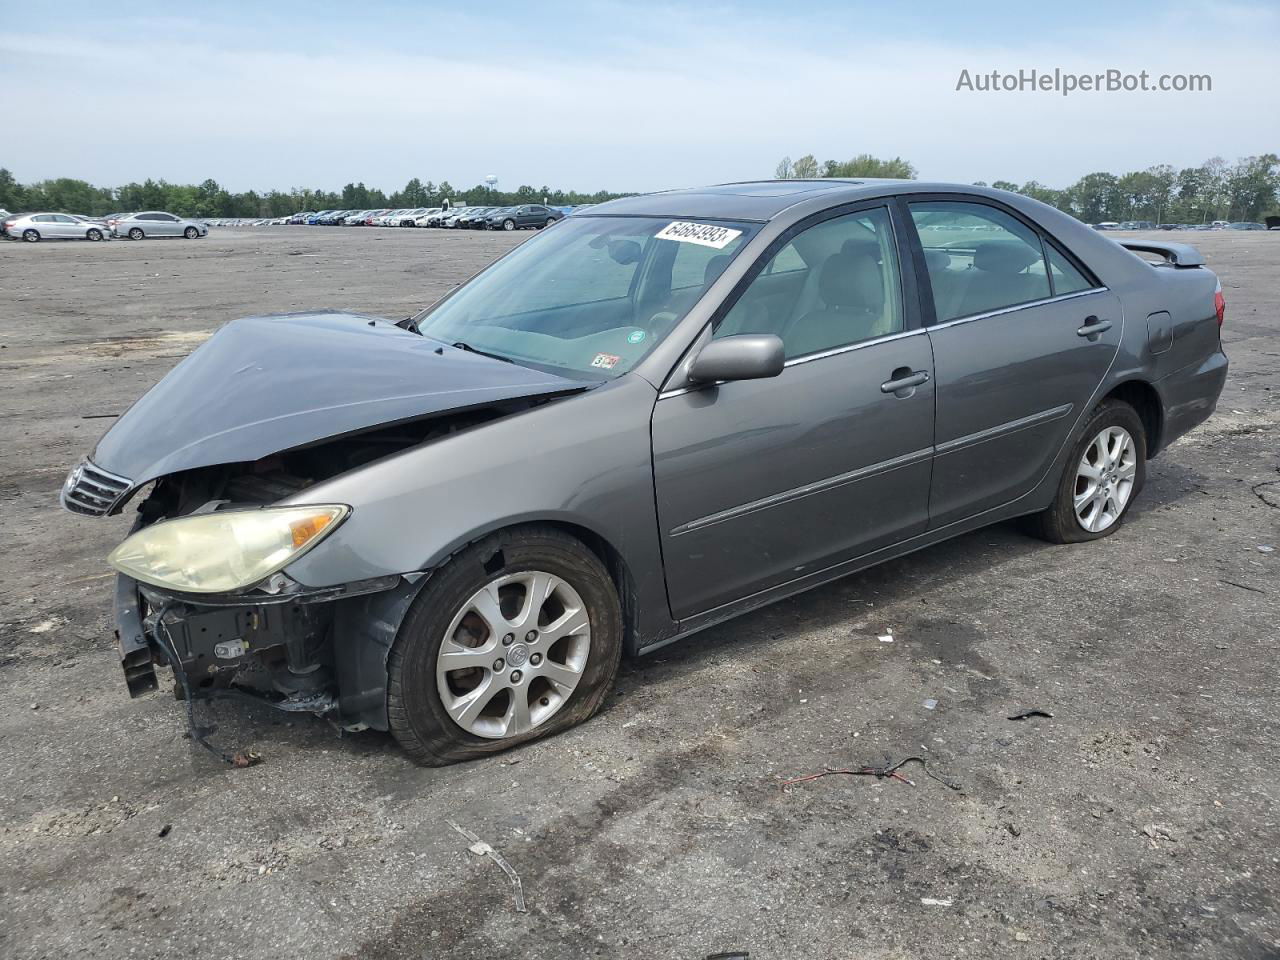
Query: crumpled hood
{"points": [[266, 384]]}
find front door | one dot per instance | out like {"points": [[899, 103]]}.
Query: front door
{"points": [[1023, 338], [763, 482]]}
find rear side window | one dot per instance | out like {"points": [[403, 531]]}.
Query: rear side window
{"points": [[1066, 278], [979, 258]]}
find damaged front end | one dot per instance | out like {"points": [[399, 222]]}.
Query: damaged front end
{"points": [[204, 586]]}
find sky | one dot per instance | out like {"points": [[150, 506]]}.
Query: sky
{"points": [[615, 95]]}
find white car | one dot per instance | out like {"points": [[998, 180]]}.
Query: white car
{"points": [[424, 219], [34, 227]]}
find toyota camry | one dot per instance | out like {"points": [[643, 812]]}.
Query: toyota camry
{"points": [[668, 411]]}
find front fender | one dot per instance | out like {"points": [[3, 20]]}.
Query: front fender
{"points": [[583, 460]]}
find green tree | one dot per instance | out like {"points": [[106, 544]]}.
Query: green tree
{"points": [[806, 168]]}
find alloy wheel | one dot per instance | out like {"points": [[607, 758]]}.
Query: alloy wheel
{"points": [[1105, 478], [513, 654]]}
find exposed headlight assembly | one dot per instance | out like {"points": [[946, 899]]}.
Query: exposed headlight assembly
{"points": [[220, 552]]}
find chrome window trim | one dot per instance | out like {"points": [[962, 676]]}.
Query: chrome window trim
{"points": [[796, 361], [1018, 306]]}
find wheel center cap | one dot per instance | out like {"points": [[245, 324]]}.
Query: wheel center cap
{"points": [[518, 655]]}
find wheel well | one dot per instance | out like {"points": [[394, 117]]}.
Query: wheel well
{"points": [[1144, 399], [607, 554]]}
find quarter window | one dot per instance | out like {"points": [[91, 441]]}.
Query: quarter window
{"points": [[978, 258], [1066, 278], [835, 284]]}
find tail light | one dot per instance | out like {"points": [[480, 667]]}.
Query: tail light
{"points": [[1219, 303]]}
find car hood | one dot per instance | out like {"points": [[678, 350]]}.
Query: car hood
{"points": [[263, 385]]}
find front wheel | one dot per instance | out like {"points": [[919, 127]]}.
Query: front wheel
{"points": [[1103, 476], [191, 233], [136, 233], [95, 235], [31, 236], [518, 637]]}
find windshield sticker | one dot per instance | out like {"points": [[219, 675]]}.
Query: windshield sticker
{"points": [[606, 361], [703, 234], [635, 336]]}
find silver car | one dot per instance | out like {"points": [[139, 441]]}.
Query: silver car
{"points": [[34, 227], [156, 223]]}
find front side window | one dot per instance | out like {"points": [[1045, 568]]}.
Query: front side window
{"points": [[979, 258], [589, 298], [835, 284]]}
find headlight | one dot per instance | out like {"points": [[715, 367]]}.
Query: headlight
{"points": [[219, 552]]}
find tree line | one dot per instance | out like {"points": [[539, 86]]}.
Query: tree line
{"points": [[1248, 189], [210, 199]]}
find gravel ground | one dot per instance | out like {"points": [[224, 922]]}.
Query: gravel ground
{"points": [[1142, 820]]}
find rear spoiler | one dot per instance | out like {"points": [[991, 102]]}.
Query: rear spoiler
{"points": [[1178, 254]]}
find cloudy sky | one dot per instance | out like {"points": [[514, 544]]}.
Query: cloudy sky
{"points": [[615, 95]]}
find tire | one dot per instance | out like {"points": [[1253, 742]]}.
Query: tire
{"points": [[550, 222], [30, 235], [508, 224], [135, 233], [95, 235], [191, 233], [1061, 523], [418, 716]]}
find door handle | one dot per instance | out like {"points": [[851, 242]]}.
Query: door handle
{"points": [[1093, 327], [904, 379]]}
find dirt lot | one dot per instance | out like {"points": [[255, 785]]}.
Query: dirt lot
{"points": [[1142, 820]]}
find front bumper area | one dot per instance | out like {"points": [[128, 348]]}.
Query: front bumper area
{"points": [[299, 650]]}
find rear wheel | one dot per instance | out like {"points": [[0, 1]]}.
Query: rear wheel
{"points": [[95, 235], [1103, 476], [508, 224], [550, 221], [191, 233], [135, 233], [31, 236], [518, 637]]}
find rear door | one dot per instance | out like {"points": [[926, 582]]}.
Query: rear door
{"points": [[763, 482], [1022, 338]]}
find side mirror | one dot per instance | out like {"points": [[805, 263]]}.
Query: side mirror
{"points": [[746, 356]]}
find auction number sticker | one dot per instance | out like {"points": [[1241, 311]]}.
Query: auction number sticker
{"points": [[704, 234], [606, 361]]}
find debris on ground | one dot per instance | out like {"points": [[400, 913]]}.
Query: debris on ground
{"points": [[482, 849], [246, 758], [930, 704], [934, 902], [164, 831], [1158, 831], [889, 771], [1242, 586], [1033, 712]]}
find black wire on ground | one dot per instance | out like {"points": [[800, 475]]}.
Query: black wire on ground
{"points": [[195, 732]]}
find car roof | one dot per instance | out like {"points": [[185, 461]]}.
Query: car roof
{"points": [[749, 200]]}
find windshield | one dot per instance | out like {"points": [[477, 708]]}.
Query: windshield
{"points": [[590, 297]]}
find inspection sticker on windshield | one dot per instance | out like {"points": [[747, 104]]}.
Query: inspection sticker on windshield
{"points": [[704, 234], [606, 361]]}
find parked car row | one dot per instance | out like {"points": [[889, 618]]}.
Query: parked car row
{"points": [[1148, 225], [520, 217], [34, 227]]}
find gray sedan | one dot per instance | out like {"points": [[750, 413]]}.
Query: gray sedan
{"points": [[156, 223], [668, 411], [34, 227]]}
